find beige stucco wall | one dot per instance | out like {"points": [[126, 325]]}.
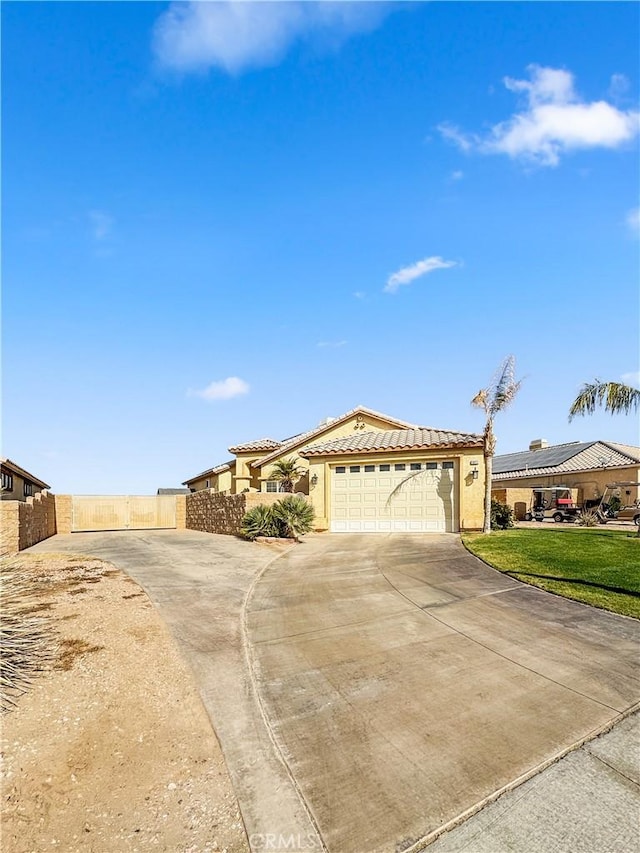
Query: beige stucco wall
{"points": [[470, 497], [589, 484], [218, 482]]}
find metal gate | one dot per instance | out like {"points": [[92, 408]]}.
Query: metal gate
{"points": [[122, 512]]}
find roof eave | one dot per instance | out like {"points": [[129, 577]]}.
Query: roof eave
{"points": [[399, 449]]}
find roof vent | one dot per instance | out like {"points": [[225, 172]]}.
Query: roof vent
{"points": [[538, 444]]}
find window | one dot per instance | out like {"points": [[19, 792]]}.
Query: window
{"points": [[385, 467], [274, 486], [207, 484], [369, 468], [447, 464], [399, 467], [7, 482], [28, 489], [340, 469], [431, 466], [354, 469], [415, 466]]}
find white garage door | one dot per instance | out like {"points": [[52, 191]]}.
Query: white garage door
{"points": [[426, 503]]}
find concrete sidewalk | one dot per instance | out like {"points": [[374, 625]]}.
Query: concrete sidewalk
{"points": [[588, 802]]}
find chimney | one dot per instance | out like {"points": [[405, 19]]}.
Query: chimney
{"points": [[538, 444]]}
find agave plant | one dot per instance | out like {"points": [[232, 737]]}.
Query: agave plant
{"points": [[259, 521], [294, 515]]}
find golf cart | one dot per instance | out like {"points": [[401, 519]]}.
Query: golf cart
{"points": [[617, 503], [554, 502]]}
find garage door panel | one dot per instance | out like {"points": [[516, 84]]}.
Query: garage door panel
{"points": [[425, 503]]}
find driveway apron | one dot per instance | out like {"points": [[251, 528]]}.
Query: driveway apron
{"points": [[405, 681]]}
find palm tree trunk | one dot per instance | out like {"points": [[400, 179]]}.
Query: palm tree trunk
{"points": [[488, 471]]}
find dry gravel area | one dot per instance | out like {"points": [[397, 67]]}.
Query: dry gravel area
{"points": [[111, 748]]}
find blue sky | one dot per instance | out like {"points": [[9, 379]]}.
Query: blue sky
{"points": [[224, 221]]}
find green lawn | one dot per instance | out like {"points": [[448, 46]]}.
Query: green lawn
{"points": [[598, 567]]}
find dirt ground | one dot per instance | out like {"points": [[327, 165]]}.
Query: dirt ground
{"points": [[111, 748]]}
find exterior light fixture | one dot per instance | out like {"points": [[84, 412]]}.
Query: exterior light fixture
{"points": [[474, 468], [314, 479]]}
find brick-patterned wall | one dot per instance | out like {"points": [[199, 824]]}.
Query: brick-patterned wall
{"points": [[9, 528], [26, 522], [181, 512], [63, 513], [214, 513]]}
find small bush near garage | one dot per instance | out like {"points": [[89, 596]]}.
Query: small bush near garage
{"points": [[501, 516], [288, 518]]}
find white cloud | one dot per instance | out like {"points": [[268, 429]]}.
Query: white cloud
{"points": [[359, 294], [408, 274], [555, 120], [101, 224], [632, 378], [235, 34], [331, 344], [458, 175], [633, 220], [224, 389]]}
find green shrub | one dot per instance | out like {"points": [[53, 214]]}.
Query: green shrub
{"points": [[614, 504], [285, 519], [295, 516], [501, 516], [259, 521]]}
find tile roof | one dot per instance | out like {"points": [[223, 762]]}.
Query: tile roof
{"points": [[393, 439], [303, 437], [258, 444], [564, 458], [219, 469], [173, 491]]}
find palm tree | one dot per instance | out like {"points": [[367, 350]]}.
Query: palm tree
{"points": [[493, 399], [287, 472], [614, 397]]}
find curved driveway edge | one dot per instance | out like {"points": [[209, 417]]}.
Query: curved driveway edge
{"points": [[405, 681], [198, 582]]}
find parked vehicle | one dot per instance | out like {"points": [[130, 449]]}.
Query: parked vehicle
{"points": [[554, 502], [612, 505]]}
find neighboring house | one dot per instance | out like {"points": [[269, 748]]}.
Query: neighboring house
{"points": [[173, 491], [351, 465], [18, 484], [585, 467]]}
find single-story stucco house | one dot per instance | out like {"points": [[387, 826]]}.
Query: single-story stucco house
{"points": [[17, 483], [585, 467], [354, 462]]}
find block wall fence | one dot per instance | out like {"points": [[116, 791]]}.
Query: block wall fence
{"points": [[23, 523]]}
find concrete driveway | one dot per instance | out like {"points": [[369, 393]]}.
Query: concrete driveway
{"points": [[386, 685]]}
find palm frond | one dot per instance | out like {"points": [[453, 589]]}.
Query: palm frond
{"points": [[613, 397]]}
